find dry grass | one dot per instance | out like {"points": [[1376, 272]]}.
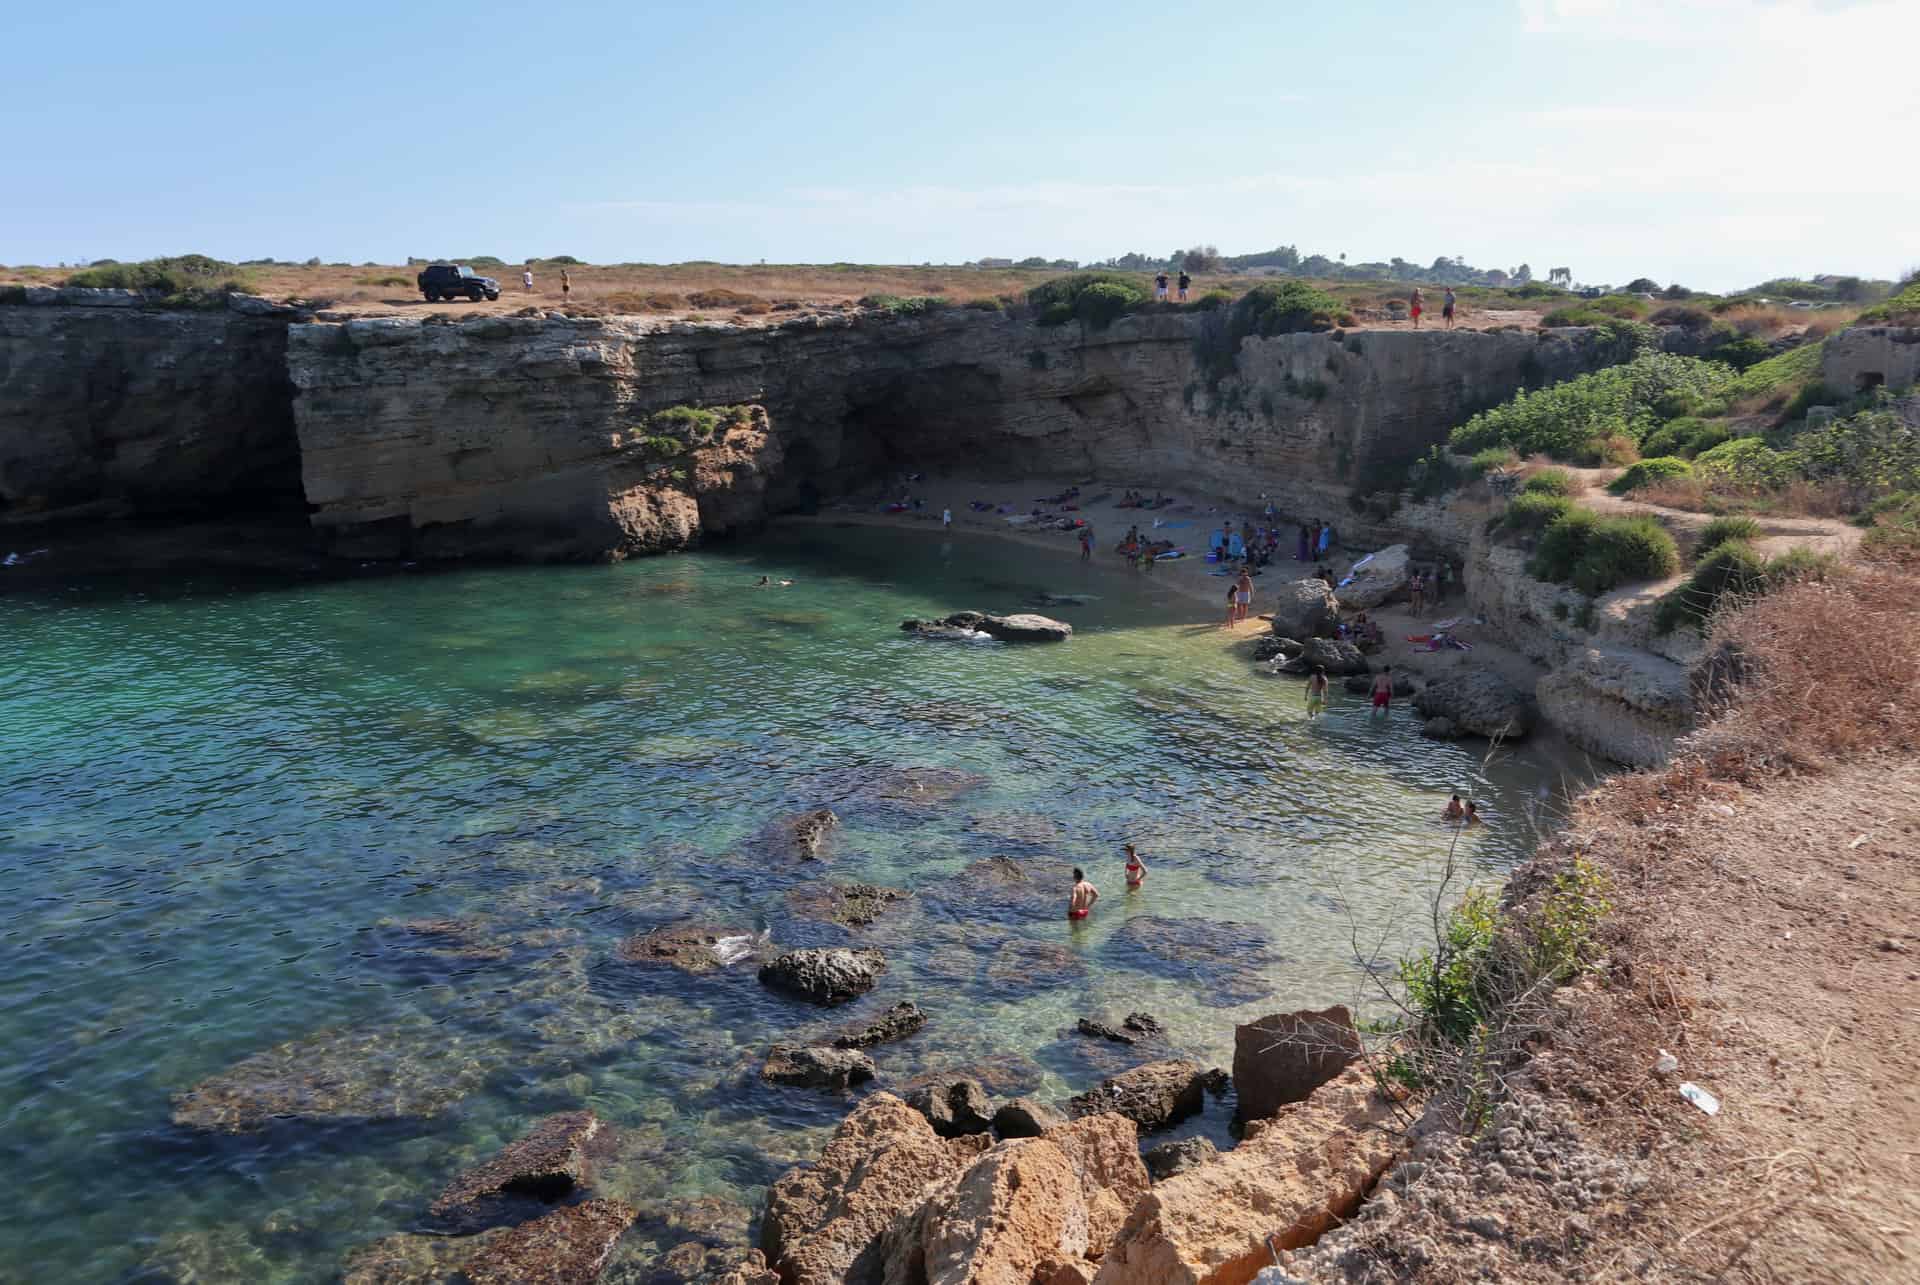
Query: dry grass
{"points": [[1819, 672], [1798, 498], [1769, 321]]}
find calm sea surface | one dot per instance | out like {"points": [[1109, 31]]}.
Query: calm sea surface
{"points": [[226, 811]]}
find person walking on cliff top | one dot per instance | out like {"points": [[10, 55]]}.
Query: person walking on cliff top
{"points": [[566, 285], [1185, 281], [526, 279], [1415, 303], [1160, 287], [1446, 308]]}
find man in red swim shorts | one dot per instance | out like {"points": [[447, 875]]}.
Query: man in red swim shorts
{"points": [[1080, 900], [1415, 303], [1383, 690]]}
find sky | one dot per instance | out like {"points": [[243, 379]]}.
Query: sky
{"points": [[1713, 142]]}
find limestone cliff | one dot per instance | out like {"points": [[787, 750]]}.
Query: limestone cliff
{"points": [[519, 436], [147, 411]]}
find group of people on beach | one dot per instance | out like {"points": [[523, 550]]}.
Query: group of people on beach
{"points": [[1080, 900]]}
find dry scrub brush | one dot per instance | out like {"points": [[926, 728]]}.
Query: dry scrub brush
{"points": [[1816, 672]]}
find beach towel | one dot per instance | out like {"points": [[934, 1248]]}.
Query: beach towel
{"points": [[1172, 526]]}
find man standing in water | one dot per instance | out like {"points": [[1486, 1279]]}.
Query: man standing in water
{"points": [[1383, 691], [1080, 900]]}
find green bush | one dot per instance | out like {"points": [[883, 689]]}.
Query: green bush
{"points": [[1579, 315], [1552, 481], [985, 305], [1744, 461], [1061, 300], [1742, 353], [1688, 318], [1874, 452], [903, 306], [1902, 309], [687, 422], [184, 278], [1793, 368], [1282, 308], [1493, 458], [1444, 986], [1647, 472], [1730, 567], [1799, 563], [1624, 550], [1620, 400], [1672, 437], [1735, 526], [1562, 544], [1535, 510], [1211, 301]]}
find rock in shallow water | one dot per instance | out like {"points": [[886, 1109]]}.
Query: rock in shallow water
{"points": [[566, 1247], [1479, 702], [691, 948], [1025, 1118], [897, 1023], [831, 975], [954, 1108], [545, 1162], [854, 905], [812, 1067], [1155, 1096], [1224, 960]]}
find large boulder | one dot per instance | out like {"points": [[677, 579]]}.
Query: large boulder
{"points": [[1383, 578], [1284, 1057], [1275, 647], [812, 1067], [825, 975], [1478, 702], [898, 1022], [1170, 1158], [1025, 1118], [1304, 609], [1335, 655], [1156, 1096], [954, 1108], [1022, 1208], [546, 1162], [566, 1247], [824, 1221], [1026, 627], [1291, 1178]]}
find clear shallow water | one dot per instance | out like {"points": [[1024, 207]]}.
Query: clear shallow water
{"points": [[219, 806]]}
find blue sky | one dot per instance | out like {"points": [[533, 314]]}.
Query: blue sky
{"points": [[1715, 142]]}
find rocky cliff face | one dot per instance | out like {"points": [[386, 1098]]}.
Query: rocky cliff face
{"points": [[526, 436], [1866, 357], [150, 412]]}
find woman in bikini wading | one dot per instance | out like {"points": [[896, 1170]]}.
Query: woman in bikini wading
{"points": [[1136, 868]]}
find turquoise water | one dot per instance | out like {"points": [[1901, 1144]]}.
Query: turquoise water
{"points": [[224, 803]]}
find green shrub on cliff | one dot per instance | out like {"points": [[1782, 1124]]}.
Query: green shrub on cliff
{"points": [[1902, 309], [1552, 481], [1535, 511], [684, 423], [1624, 550], [1731, 571], [1649, 471], [903, 305], [1282, 308], [1095, 298], [1621, 400], [184, 279]]}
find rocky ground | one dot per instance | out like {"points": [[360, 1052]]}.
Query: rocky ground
{"points": [[1767, 937]]}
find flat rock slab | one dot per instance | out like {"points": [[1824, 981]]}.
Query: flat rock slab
{"points": [[852, 905], [812, 1067], [546, 1162], [825, 975], [1156, 1096], [1224, 959], [569, 1246], [379, 1073], [408, 1258], [804, 835], [691, 948], [897, 1023]]}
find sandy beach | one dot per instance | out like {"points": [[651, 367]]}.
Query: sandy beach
{"points": [[1188, 523]]}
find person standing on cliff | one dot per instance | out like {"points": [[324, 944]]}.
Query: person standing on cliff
{"points": [[566, 285], [1446, 308], [526, 279], [1160, 287], [1415, 303], [1185, 281]]}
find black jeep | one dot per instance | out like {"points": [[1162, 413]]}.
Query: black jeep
{"points": [[444, 281]]}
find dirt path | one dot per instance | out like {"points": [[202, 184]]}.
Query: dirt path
{"points": [[1778, 532]]}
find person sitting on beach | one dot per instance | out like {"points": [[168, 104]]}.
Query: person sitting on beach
{"points": [[1080, 900], [1454, 810], [1136, 868], [1317, 693]]}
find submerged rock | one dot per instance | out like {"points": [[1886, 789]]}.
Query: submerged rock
{"points": [[1284, 1057], [1170, 1158], [813, 1067], [471, 939], [897, 1023], [1156, 1096], [1022, 965], [546, 1162], [854, 905], [691, 947], [1136, 1027], [1224, 959], [925, 784], [566, 1247], [831, 975], [382, 1073], [802, 835], [408, 1258]]}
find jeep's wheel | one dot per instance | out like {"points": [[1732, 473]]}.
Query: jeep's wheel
{"points": [[477, 295], [432, 297]]}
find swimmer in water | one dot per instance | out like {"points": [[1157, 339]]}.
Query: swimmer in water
{"points": [[1454, 812], [1080, 900], [1473, 813], [1136, 868]]}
